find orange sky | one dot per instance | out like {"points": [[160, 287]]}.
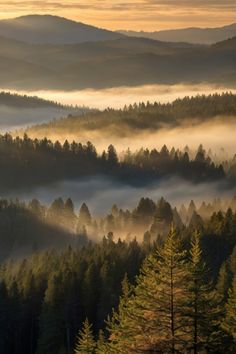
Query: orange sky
{"points": [[148, 15]]}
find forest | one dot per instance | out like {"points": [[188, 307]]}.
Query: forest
{"points": [[38, 162], [155, 277], [117, 177], [32, 226], [132, 119], [172, 289]]}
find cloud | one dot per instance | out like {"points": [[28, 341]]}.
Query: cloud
{"points": [[142, 5], [100, 193], [142, 14]]}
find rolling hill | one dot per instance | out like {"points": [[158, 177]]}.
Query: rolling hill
{"points": [[191, 35], [18, 111], [140, 117], [41, 29], [125, 61]]}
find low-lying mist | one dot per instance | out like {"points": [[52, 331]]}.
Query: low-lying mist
{"points": [[216, 135], [118, 97], [12, 118], [101, 193]]}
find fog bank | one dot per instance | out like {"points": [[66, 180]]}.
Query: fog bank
{"points": [[216, 135], [101, 193], [120, 96]]}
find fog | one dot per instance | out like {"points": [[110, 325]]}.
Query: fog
{"points": [[120, 96], [101, 193], [216, 135], [12, 118], [212, 136]]}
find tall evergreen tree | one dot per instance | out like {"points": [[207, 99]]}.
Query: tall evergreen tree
{"points": [[84, 215], [154, 317], [204, 305], [120, 325], [85, 342], [51, 336], [229, 323], [101, 347]]}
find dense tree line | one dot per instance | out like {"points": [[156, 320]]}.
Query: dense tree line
{"points": [[151, 116], [173, 305], [29, 227], [44, 299], [37, 162], [172, 308], [25, 101]]}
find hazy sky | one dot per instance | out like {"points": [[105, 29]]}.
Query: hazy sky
{"points": [[148, 15]]}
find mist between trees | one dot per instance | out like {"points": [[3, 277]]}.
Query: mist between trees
{"points": [[41, 162], [186, 119], [46, 297]]}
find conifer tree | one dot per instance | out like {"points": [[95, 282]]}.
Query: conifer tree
{"points": [[204, 304], [153, 319], [229, 323], [84, 215], [85, 342], [51, 334], [101, 347], [223, 281], [120, 324]]}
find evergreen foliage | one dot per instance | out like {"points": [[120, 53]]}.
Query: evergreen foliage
{"points": [[85, 341], [40, 162]]}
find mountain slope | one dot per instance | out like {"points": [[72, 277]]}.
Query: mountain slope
{"points": [[18, 111], [191, 35], [124, 61], [43, 29]]}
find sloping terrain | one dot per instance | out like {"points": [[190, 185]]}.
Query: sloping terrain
{"points": [[191, 35], [41, 29], [124, 61]]}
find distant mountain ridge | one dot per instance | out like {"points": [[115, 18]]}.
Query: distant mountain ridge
{"points": [[25, 101], [17, 111], [48, 29], [190, 35], [124, 61]]}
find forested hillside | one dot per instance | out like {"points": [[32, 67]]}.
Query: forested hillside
{"points": [[113, 62], [118, 222], [189, 35], [175, 299], [33, 226], [19, 101], [132, 119], [40, 162], [42, 29], [24, 110]]}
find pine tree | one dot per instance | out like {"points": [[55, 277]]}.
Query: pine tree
{"points": [[204, 304], [85, 341], [101, 347], [229, 323], [153, 318], [120, 325], [223, 281], [84, 215], [51, 334]]}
